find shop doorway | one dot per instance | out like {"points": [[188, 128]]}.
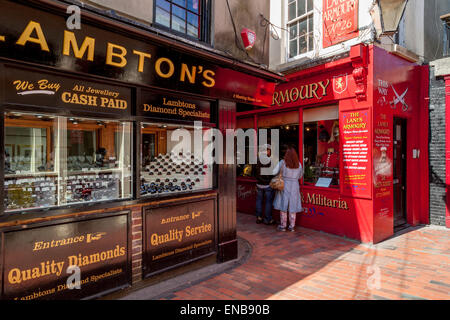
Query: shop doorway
{"points": [[399, 172]]}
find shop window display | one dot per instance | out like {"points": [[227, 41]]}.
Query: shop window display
{"points": [[246, 169], [55, 161], [165, 169], [321, 153], [321, 147], [288, 137]]}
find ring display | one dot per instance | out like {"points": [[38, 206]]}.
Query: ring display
{"points": [[168, 167]]}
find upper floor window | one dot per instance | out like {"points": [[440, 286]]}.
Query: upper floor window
{"points": [[182, 16], [446, 22], [300, 23]]}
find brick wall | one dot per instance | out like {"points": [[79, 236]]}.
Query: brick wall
{"points": [[437, 150]]}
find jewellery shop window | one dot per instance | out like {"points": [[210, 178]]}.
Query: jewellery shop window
{"points": [[245, 168], [172, 161], [321, 146], [55, 161]]}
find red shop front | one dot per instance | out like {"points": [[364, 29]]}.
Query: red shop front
{"points": [[360, 126]]}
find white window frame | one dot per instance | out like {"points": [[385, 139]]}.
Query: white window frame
{"points": [[310, 14]]}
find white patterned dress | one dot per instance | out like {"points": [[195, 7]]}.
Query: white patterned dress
{"points": [[289, 200]]}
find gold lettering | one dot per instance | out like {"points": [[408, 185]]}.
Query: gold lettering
{"points": [[26, 36], [83, 99], [324, 87], [294, 94], [104, 101], [92, 101], [320, 200], [310, 199], [208, 75], [38, 245], [285, 97], [111, 53], [142, 56], [305, 95], [2, 38], [70, 41], [65, 97], [158, 67], [313, 89], [190, 75], [14, 276], [275, 98], [23, 85]]}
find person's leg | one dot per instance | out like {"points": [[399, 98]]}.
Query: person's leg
{"points": [[292, 216], [259, 201], [283, 221], [268, 206]]}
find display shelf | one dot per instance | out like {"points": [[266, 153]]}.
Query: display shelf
{"points": [[174, 174]]}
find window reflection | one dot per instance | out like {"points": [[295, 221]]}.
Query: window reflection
{"points": [[179, 15]]}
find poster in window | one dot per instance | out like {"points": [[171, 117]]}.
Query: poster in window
{"points": [[356, 180]]}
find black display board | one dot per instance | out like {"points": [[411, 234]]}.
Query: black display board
{"points": [[36, 260], [27, 87], [163, 106], [178, 234]]}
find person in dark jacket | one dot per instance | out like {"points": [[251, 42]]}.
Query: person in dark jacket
{"points": [[263, 189]]}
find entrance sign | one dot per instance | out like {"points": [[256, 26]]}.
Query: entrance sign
{"points": [[178, 234]]}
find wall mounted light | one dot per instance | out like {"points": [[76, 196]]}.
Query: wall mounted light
{"points": [[386, 15]]}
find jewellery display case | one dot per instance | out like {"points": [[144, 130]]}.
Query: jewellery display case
{"points": [[65, 161], [172, 171]]}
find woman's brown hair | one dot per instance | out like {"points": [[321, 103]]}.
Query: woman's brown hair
{"points": [[291, 158]]}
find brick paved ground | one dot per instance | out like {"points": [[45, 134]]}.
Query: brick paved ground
{"points": [[308, 264]]}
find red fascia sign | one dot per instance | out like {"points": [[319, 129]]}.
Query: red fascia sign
{"points": [[317, 89], [340, 21]]}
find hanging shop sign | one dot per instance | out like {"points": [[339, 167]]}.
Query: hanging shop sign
{"points": [[178, 234], [357, 170], [25, 87], [66, 261], [169, 107], [32, 35], [340, 21]]}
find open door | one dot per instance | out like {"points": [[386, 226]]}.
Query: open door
{"points": [[399, 172]]}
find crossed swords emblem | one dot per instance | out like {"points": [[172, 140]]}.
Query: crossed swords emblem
{"points": [[400, 98]]}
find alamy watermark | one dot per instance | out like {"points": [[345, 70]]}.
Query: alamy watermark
{"points": [[211, 146], [73, 22], [374, 280]]}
